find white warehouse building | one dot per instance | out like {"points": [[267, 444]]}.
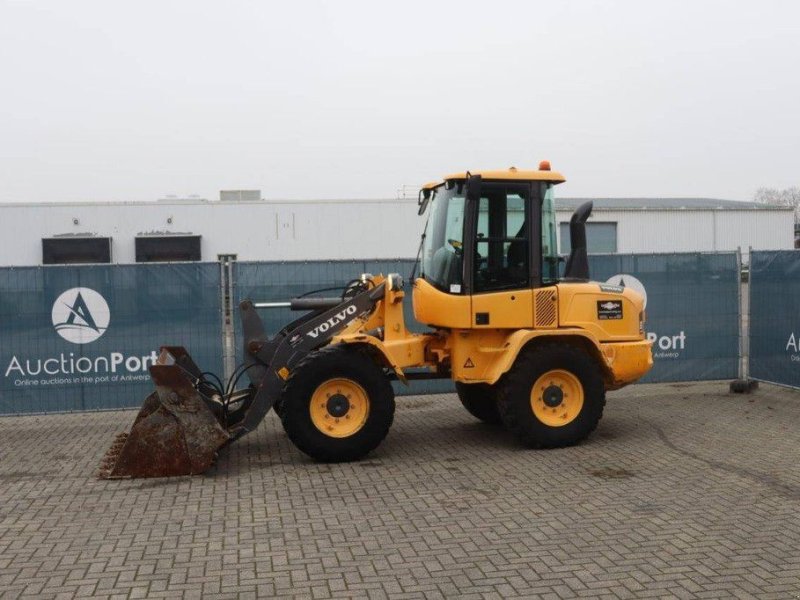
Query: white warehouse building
{"points": [[643, 225], [244, 225]]}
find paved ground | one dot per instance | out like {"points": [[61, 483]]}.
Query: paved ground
{"points": [[684, 491]]}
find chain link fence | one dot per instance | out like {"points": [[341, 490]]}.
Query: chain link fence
{"points": [[279, 282], [775, 317], [693, 310], [81, 337]]}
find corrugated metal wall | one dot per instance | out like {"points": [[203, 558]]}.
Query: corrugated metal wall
{"points": [[253, 231], [343, 230], [644, 231]]}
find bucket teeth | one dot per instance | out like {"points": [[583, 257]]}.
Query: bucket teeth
{"points": [[175, 432]]}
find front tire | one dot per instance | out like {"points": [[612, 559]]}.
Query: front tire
{"points": [[480, 400], [552, 397], [337, 405]]}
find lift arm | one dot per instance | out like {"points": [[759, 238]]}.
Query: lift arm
{"points": [[272, 360]]}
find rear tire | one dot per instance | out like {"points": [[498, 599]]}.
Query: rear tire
{"points": [[337, 405], [552, 397], [480, 400]]}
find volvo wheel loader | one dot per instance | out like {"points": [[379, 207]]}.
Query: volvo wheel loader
{"points": [[528, 348]]}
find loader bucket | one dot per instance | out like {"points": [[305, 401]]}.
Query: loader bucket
{"points": [[175, 432]]}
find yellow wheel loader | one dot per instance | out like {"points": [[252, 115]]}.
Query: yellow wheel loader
{"points": [[528, 348]]}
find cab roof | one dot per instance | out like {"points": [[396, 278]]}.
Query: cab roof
{"points": [[510, 174]]}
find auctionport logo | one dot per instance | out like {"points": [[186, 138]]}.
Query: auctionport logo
{"points": [[664, 346], [81, 315], [624, 280], [793, 347]]}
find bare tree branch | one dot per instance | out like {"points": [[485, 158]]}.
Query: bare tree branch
{"points": [[786, 197]]}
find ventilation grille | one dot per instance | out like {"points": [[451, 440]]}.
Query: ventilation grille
{"points": [[545, 310]]}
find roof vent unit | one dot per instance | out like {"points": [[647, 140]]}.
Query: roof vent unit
{"points": [[240, 195]]}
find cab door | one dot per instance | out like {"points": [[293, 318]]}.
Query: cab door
{"points": [[502, 257]]}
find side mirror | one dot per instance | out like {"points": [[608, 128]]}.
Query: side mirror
{"points": [[578, 261], [423, 198], [473, 193]]}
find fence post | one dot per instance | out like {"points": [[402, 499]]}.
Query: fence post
{"points": [[739, 288], [747, 327], [226, 300], [744, 385]]}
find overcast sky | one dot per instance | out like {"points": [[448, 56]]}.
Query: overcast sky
{"points": [[137, 100]]}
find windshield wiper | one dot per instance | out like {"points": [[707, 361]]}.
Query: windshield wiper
{"points": [[416, 262]]}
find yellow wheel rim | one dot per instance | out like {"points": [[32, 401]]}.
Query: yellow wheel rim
{"points": [[339, 407], [557, 398]]}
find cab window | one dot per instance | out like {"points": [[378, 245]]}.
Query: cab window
{"points": [[502, 251], [442, 247], [550, 260]]}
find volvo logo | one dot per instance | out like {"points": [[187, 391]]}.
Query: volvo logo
{"points": [[333, 321]]}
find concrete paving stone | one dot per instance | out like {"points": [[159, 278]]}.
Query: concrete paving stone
{"points": [[684, 491], [138, 592]]}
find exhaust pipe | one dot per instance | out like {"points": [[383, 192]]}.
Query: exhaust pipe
{"points": [[578, 262]]}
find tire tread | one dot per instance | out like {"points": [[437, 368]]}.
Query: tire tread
{"points": [[318, 366], [480, 400], [514, 396]]}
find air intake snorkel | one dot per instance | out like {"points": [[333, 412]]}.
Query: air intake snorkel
{"points": [[577, 268]]}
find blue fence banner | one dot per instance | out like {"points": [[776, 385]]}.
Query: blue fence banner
{"points": [[82, 337], [775, 316], [693, 310], [282, 281]]}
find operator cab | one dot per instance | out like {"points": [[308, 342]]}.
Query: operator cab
{"points": [[479, 232]]}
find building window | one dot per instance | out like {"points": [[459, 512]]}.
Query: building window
{"points": [[168, 248], [76, 250], [601, 238]]}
